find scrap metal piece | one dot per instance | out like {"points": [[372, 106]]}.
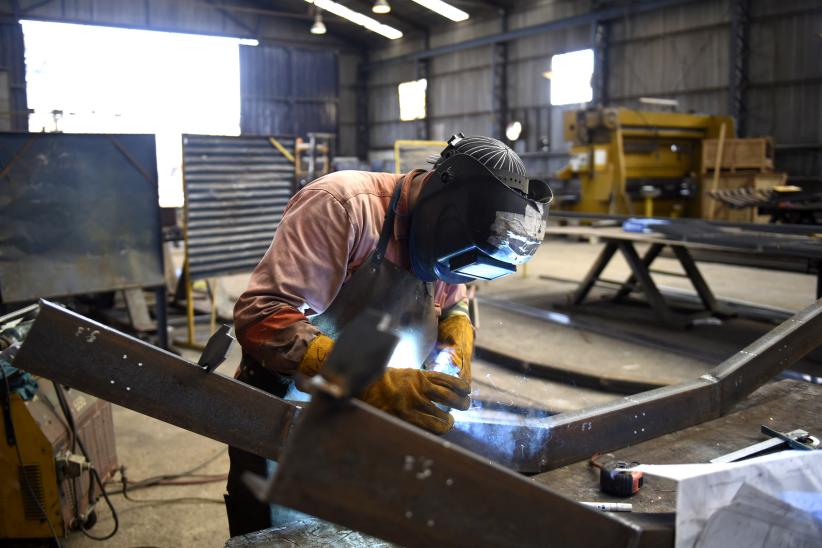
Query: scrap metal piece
{"points": [[216, 349], [778, 439], [86, 355]]}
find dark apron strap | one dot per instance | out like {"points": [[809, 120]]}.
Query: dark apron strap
{"points": [[387, 225]]}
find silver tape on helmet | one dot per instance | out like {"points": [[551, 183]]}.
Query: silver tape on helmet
{"points": [[516, 236]]}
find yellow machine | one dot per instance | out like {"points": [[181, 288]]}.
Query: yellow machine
{"points": [[626, 160], [50, 438]]}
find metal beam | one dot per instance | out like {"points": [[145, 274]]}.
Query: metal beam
{"points": [[583, 19], [537, 445], [601, 38], [363, 126], [499, 87], [355, 466], [86, 355], [739, 54]]}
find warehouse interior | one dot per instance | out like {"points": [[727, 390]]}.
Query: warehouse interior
{"points": [[410, 273]]}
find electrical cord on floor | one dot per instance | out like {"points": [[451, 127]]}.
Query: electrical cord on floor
{"points": [[22, 474], [124, 481], [194, 478], [94, 475]]}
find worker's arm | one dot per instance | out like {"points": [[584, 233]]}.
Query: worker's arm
{"points": [[304, 267], [412, 394], [455, 333]]}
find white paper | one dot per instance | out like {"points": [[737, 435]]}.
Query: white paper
{"points": [[793, 477]]}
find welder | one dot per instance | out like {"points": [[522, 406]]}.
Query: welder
{"points": [[404, 245]]}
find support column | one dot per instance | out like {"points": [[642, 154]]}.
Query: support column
{"points": [[499, 89], [738, 63], [601, 36], [363, 128], [423, 125]]}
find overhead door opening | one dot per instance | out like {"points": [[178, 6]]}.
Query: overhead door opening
{"points": [[91, 79]]}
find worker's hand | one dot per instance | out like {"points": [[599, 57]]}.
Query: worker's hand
{"points": [[315, 356], [455, 345], [410, 394]]}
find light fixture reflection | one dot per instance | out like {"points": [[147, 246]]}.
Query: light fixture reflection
{"points": [[381, 7], [318, 27]]}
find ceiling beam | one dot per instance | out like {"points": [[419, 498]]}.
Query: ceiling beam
{"points": [[582, 19]]}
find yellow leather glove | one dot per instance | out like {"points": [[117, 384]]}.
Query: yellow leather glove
{"points": [[410, 395], [455, 344], [315, 355]]}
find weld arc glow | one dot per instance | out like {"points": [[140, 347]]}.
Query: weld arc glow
{"points": [[444, 9], [357, 18]]}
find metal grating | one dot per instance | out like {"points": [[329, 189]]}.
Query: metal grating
{"points": [[236, 189], [31, 491]]}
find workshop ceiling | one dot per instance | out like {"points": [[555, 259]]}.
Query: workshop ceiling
{"points": [[407, 16]]}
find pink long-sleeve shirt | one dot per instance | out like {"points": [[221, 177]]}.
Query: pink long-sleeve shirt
{"points": [[328, 230]]}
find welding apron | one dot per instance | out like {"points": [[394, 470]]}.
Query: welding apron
{"points": [[379, 285], [382, 286]]}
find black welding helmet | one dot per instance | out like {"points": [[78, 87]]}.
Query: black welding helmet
{"points": [[478, 216]]}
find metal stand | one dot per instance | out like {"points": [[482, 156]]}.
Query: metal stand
{"points": [[641, 278]]}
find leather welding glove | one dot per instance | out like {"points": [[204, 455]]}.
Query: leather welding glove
{"points": [[411, 394], [315, 355], [455, 338]]}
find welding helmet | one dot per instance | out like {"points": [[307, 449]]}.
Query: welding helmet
{"points": [[478, 215]]}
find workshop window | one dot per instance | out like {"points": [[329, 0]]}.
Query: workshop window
{"points": [[93, 79], [570, 77], [412, 100]]}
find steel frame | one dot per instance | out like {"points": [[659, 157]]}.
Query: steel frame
{"points": [[354, 465]]}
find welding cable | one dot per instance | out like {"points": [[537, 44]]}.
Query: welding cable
{"points": [[22, 474], [124, 492], [170, 479], [94, 475]]}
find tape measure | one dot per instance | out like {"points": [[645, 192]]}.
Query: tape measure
{"points": [[616, 478]]}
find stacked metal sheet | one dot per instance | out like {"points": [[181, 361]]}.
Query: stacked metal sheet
{"points": [[236, 189]]}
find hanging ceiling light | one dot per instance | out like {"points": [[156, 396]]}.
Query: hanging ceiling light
{"points": [[318, 27], [358, 18], [382, 7], [443, 8]]}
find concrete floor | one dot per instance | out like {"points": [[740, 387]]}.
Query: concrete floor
{"points": [[149, 447]]}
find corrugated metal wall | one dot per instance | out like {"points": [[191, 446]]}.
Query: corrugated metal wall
{"points": [[288, 91], [679, 52], [785, 91]]}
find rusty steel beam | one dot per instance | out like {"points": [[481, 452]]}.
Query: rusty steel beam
{"points": [[171, 389], [537, 445], [351, 464], [86, 355]]}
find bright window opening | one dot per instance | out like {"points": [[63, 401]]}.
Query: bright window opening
{"points": [[89, 79], [571, 77], [412, 100]]}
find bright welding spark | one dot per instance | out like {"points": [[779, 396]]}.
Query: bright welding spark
{"points": [[405, 354], [444, 363]]}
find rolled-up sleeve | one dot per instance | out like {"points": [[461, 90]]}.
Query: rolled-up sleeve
{"points": [[451, 299], [304, 267]]}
